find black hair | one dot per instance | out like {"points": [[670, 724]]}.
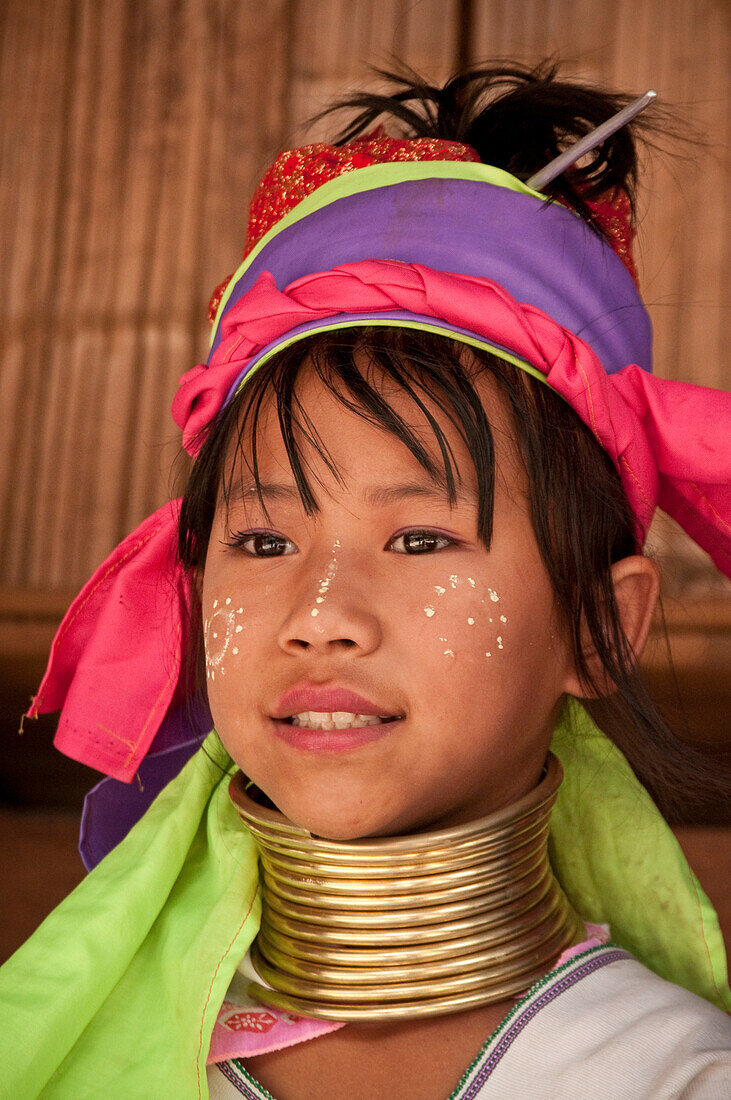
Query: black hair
{"points": [[517, 118]]}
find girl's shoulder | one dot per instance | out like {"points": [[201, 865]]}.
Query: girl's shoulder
{"points": [[605, 1025]]}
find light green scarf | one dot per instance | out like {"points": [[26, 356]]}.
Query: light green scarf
{"points": [[117, 992]]}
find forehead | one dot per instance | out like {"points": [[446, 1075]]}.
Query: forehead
{"points": [[343, 435]]}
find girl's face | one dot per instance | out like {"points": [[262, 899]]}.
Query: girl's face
{"points": [[373, 668]]}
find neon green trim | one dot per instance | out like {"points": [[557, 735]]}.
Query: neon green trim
{"points": [[388, 322], [369, 179]]}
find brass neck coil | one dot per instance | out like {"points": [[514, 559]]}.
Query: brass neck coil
{"points": [[400, 927]]}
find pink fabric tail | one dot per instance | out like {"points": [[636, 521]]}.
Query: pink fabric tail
{"points": [[688, 429], [116, 660]]}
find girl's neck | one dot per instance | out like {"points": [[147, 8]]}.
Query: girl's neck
{"points": [[408, 927]]}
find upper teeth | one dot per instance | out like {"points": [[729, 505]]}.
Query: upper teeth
{"points": [[334, 720]]}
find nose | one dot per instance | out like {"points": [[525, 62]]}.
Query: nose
{"points": [[341, 623]]}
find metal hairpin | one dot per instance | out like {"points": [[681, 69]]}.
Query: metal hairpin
{"points": [[585, 145]]}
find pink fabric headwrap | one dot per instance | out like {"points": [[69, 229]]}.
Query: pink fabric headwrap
{"points": [[663, 437]]}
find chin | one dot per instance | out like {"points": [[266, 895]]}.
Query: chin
{"points": [[335, 827], [331, 822]]}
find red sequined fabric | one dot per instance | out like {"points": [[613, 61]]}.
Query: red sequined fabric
{"points": [[614, 217], [296, 173], [215, 301]]}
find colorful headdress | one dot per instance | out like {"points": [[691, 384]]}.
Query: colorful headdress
{"points": [[414, 233]]}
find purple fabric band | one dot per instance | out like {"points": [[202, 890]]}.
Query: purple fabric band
{"points": [[111, 808], [475, 229]]}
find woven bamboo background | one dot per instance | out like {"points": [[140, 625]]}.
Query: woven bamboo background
{"points": [[132, 133]]}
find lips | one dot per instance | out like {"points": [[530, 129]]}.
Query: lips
{"points": [[315, 697]]}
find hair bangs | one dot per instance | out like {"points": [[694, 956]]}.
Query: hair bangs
{"points": [[358, 367]]}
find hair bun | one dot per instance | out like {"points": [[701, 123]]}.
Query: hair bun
{"points": [[516, 118]]}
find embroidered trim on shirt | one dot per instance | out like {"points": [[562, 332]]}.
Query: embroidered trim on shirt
{"points": [[540, 996], [243, 1081]]}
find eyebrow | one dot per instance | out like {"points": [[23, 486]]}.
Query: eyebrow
{"points": [[376, 496]]}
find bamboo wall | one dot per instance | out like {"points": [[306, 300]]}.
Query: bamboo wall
{"points": [[131, 135]]}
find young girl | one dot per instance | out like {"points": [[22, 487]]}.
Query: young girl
{"points": [[428, 448]]}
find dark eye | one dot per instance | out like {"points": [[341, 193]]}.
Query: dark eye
{"points": [[261, 544], [419, 542]]}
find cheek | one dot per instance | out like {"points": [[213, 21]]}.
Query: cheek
{"points": [[223, 626], [226, 629], [463, 619], [236, 627]]}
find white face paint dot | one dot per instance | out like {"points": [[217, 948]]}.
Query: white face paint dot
{"points": [[215, 635], [428, 611], [239, 610], [454, 580], [215, 604], [470, 622], [239, 628], [448, 653], [442, 639], [320, 599], [503, 619], [488, 654], [228, 600], [471, 582], [314, 612], [439, 590], [493, 595], [235, 650]]}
